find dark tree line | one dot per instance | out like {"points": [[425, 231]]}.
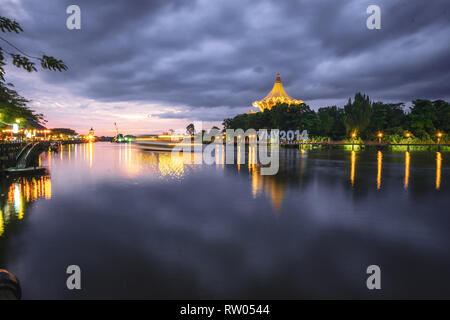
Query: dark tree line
{"points": [[423, 120]]}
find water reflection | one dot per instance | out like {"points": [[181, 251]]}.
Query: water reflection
{"points": [[353, 166], [407, 162], [127, 161], [379, 168], [17, 194], [91, 153], [438, 170], [268, 185], [220, 224]]}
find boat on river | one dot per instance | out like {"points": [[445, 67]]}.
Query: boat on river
{"points": [[165, 142]]}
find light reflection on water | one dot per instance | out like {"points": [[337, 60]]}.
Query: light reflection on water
{"points": [[132, 163], [307, 179]]}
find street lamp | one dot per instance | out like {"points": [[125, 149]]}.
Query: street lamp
{"points": [[408, 135], [353, 139], [439, 136], [380, 136]]}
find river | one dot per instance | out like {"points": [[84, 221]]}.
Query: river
{"points": [[146, 225]]}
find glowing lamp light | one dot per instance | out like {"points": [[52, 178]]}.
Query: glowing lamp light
{"points": [[439, 135], [15, 128]]}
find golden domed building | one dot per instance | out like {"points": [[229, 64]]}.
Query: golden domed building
{"points": [[277, 96]]}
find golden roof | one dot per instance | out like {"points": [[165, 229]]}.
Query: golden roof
{"points": [[276, 96]]}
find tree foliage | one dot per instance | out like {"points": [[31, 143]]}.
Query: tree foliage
{"points": [[190, 129], [12, 105], [424, 119], [357, 114]]}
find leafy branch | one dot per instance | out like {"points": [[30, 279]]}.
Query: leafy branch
{"points": [[22, 59]]}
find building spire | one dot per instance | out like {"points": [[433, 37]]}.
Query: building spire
{"points": [[276, 96]]}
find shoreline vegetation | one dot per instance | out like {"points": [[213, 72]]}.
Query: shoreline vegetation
{"points": [[359, 121]]}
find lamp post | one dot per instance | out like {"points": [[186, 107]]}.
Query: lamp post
{"points": [[408, 135], [380, 136], [439, 136], [353, 139]]}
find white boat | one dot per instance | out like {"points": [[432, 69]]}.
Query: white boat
{"points": [[164, 142]]}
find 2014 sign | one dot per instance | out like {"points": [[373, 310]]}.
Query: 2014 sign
{"points": [[283, 135]]}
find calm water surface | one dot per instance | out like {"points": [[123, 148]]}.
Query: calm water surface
{"points": [[145, 225]]}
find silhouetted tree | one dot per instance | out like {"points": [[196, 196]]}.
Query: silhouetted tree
{"points": [[358, 114], [190, 129]]}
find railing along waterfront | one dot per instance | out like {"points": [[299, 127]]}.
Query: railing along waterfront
{"points": [[8, 153]]}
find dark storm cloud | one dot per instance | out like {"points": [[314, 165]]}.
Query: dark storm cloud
{"points": [[206, 54]]}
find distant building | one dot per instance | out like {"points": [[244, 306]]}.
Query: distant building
{"points": [[277, 96]]}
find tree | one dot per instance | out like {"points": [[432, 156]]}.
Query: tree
{"points": [[389, 118], [190, 129], [422, 118], [442, 121], [331, 122], [19, 58], [64, 131], [358, 114], [12, 105]]}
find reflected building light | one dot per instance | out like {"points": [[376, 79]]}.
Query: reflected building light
{"points": [[256, 184], [380, 168], [353, 166], [2, 223], [35, 189], [219, 155], [22, 192], [438, 170], [252, 158], [271, 187], [239, 157], [91, 153], [223, 156], [18, 205], [171, 165], [407, 162], [48, 188]]}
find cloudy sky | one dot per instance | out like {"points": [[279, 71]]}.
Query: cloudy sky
{"points": [[151, 65]]}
